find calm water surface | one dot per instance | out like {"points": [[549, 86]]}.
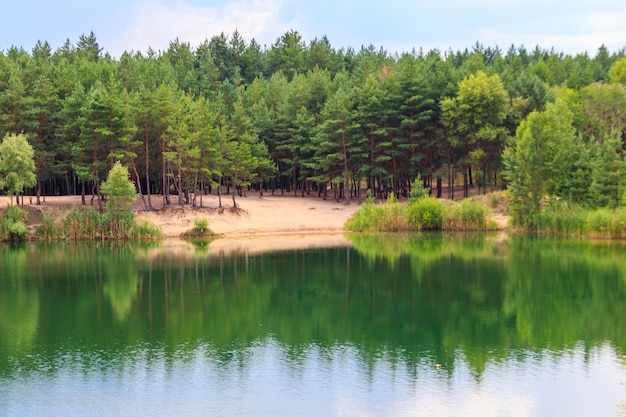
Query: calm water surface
{"points": [[420, 325]]}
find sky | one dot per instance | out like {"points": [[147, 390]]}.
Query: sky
{"points": [[572, 27]]}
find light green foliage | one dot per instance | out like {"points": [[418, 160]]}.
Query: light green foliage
{"points": [[47, 230], [200, 225], [561, 217], [12, 226], [17, 166], [418, 191], [535, 158], [119, 189], [467, 215], [426, 214], [617, 73]]}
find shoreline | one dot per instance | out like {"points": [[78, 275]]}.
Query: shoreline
{"points": [[256, 216]]}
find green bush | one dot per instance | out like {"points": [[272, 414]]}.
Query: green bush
{"points": [[422, 214], [11, 224], [89, 224], [200, 225], [607, 223], [47, 229], [144, 230], [560, 217], [200, 229], [365, 218], [426, 214], [467, 215]]}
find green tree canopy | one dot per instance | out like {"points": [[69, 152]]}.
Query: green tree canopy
{"points": [[119, 189], [17, 164], [536, 158]]}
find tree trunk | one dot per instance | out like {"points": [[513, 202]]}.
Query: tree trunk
{"points": [[138, 180], [438, 187], [219, 193], [165, 184], [147, 161]]}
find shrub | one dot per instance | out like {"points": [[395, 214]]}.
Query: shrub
{"points": [[418, 191], [426, 214], [200, 229], [144, 230], [467, 215], [201, 225], [11, 227], [47, 229], [365, 218]]}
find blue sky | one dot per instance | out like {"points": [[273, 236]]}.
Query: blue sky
{"points": [[572, 26]]}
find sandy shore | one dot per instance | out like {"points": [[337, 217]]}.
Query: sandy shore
{"points": [[261, 224], [257, 215]]}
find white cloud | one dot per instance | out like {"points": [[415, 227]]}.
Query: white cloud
{"points": [[571, 34], [156, 26]]}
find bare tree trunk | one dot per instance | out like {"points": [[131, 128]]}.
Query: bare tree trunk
{"points": [[148, 170], [219, 193], [138, 180]]}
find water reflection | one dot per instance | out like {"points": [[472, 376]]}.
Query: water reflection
{"points": [[356, 329]]}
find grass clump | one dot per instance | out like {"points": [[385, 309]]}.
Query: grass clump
{"points": [[200, 229], [389, 217], [426, 214], [89, 224], [559, 217], [467, 215], [422, 213], [47, 230]]}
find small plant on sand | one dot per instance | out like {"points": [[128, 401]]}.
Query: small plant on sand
{"points": [[200, 225], [200, 229]]}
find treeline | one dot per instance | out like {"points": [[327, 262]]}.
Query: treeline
{"points": [[294, 117]]}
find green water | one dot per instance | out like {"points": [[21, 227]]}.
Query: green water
{"points": [[421, 325]]}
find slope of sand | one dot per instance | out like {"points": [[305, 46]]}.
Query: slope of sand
{"points": [[256, 215]]}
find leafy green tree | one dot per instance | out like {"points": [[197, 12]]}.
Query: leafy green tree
{"points": [[17, 164], [475, 117], [617, 73], [534, 159], [603, 109], [119, 189], [338, 138], [608, 173]]}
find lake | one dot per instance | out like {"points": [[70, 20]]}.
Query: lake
{"points": [[390, 325]]}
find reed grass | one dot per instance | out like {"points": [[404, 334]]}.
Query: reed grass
{"points": [[421, 214]]}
